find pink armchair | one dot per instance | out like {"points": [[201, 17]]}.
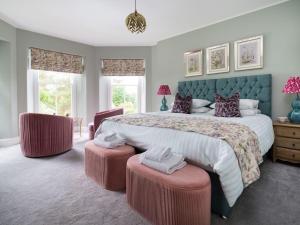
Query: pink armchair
{"points": [[99, 117], [45, 135]]}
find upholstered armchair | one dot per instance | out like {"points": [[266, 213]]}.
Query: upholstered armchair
{"points": [[99, 117], [45, 135]]}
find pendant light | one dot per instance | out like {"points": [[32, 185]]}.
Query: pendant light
{"points": [[135, 22]]}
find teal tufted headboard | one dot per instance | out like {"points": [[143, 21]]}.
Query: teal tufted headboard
{"points": [[254, 87]]}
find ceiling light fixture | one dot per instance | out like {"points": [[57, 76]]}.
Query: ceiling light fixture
{"points": [[136, 22]]}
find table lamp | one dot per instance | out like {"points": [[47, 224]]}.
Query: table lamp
{"points": [[164, 90], [292, 86]]}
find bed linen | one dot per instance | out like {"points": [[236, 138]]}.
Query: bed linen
{"points": [[212, 154], [241, 138]]}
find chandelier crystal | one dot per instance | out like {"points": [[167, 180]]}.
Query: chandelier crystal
{"points": [[136, 22]]}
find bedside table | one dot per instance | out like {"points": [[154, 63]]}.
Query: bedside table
{"points": [[287, 142]]}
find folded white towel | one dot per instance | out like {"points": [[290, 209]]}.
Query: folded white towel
{"points": [[168, 166], [158, 153], [107, 136], [117, 141]]}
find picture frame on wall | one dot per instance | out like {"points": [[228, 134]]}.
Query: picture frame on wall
{"points": [[217, 59], [193, 63], [249, 53]]}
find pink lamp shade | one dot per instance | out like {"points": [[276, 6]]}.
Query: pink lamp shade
{"points": [[164, 90], [292, 86]]}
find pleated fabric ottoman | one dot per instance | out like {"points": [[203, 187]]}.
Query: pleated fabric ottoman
{"points": [[182, 198], [107, 166]]}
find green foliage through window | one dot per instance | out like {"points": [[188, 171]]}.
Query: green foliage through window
{"points": [[126, 97], [55, 93]]}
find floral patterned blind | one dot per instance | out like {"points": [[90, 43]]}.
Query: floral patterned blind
{"points": [[123, 67], [55, 61]]}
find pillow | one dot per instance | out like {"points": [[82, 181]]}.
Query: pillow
{"points": [[198, 103], [227, 106], [182, 104], [244, 104], [211, 112], [201, 110], [250, 112], [248, 104], [212, 106]]}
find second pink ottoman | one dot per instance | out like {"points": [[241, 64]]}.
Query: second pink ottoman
{"points": [[182, 198], [107, 166]]}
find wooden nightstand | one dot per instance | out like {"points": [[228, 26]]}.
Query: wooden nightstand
{"points": [[287, 142]]}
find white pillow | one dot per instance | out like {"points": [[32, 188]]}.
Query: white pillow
{"points": [[248, 104], [200, 110], [250, 112], [198, 103], [244, 104], [244, 112], [211, 112], [213, 106]]}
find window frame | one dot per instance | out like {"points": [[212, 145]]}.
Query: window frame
{"points": [[34, 95], [141, 91]]}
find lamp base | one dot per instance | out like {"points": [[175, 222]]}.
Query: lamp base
{"points": [[294, 115], [164, 106]]}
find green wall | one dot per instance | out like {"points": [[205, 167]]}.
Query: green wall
{"points": [[8, 82], [165, 64], [279, 25]]}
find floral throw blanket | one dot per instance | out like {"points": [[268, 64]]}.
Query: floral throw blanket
{"points": [[241, 138]]}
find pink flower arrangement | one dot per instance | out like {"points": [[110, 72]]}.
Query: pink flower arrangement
{"points": [[292, 85]]}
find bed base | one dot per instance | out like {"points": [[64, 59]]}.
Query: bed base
{"points": [[219, 204]]}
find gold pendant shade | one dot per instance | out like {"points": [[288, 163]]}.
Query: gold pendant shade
{"points": [[136, 22]]}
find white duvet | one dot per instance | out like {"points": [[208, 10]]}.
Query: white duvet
{"points": [[210, 153]]}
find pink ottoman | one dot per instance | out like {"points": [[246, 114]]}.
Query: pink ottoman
{"points": [[182, 198], [107, 166]]}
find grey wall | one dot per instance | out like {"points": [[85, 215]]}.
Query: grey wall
{"points": [[164, 62], [26, 39], [280, 27], [22, 40], [8, 81], [126, 53]]}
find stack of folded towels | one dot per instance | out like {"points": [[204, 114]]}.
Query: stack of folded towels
{"points": [[109, 139], [162, 159]]}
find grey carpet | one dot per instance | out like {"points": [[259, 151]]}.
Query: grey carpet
{"points": [[55, 190]]}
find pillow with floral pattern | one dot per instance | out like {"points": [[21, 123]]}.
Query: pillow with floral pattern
{"points": [[227, 106], [182, 104]]}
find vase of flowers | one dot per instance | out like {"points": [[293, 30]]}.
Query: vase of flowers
{"points": [[292, 86]]}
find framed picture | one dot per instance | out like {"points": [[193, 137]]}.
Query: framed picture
{"points": [[249, 53], [217, 59], [194, 63]]}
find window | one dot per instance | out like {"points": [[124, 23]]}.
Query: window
{"points": [[55, 92], [127, 92]]}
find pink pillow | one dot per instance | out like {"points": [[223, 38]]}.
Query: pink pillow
{"points": [[227, 106], [182, 104]]}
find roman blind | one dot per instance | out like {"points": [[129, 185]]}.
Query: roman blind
{"points": [[123, 67], [41, 59]]}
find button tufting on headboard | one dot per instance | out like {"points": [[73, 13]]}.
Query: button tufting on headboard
{"points": [[253, 87]]}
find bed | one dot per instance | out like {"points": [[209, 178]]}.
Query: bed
{"points": [[212, 154]]}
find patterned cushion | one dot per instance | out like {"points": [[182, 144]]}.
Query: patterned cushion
{"points": [[182, 104], [227, 107]]}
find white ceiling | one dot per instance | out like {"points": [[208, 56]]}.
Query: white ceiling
{"points": [[101, 22]]}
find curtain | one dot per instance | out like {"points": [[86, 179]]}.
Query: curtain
{"points": [[123, 67], [41, 59]]}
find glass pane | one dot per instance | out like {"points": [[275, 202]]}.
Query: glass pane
{"points": [[125, 95], [55, 93], [121, 80]]}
